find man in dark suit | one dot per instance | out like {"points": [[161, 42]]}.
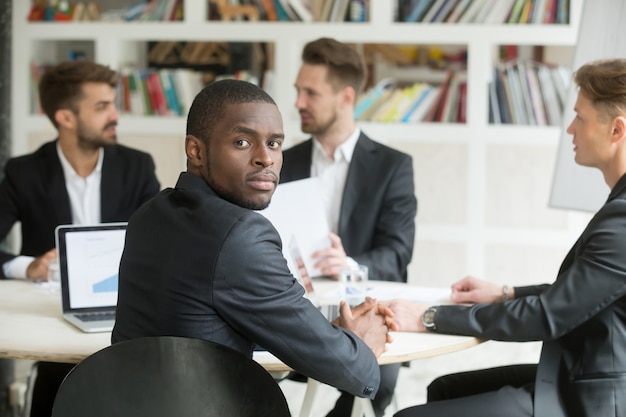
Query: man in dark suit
{"points": [[369, 194], [200, 262], [581, 317], [83, 177]]}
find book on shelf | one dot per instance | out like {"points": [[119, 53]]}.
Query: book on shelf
{"points": [[317, 9], [445, 10], [417, 10], [432, 10], [410, 95], [326, 10], [472, 11], [461, 116], [516, 11], [536, 98], [339, 11], [499, 11], [302, 9], [549, 94], [539, 10], [522, 69], [434, 113], [484, 11], [526, 93], [458, 11], [367, 99], [425, 102]]}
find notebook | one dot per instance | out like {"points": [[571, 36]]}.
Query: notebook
{"points": [[89, 259]]}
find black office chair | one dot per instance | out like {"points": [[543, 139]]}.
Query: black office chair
{"points": [[169, 376]]}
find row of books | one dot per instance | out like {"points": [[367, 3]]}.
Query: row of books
{"points": [[162, 92], [419, 102], [528, 93], [147, 11], [308, 10], [484, 11], [65, 11]]}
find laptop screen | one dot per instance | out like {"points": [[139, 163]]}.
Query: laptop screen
{"points": [[89, 259]]}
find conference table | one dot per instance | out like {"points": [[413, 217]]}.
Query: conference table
{"points": [[32, 327]]}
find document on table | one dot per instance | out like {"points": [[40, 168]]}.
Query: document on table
{"points": [[298, 213]]}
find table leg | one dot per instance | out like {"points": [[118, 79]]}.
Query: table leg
{"points": [[309, 396], [362, 407]]}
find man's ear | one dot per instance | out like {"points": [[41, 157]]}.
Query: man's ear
{"points": [[65, 118], [194, 148], [619, 129]]}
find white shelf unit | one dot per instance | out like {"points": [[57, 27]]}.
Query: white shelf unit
{"points": [[467, 233]]}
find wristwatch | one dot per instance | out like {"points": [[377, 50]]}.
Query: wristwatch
{"points": [[428, 318]]}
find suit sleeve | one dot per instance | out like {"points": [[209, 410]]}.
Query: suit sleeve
{"points": [[594, 280], [9, 212], [260, 298], [394, 235]]}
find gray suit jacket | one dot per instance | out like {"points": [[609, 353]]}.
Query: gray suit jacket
{"points": [[33, 193], [581, 318], [378, 208], [196, 265]]}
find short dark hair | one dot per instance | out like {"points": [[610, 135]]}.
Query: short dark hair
{"points": [[60, 87], [604, 83], [345, 66], [208, 105]]}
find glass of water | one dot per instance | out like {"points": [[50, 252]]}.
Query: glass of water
{"points": [[352, 284]]}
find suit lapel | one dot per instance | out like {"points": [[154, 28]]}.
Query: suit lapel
{"points": [[111, 184]]}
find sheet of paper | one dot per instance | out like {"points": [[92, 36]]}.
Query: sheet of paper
{"points": [[297, 212]]}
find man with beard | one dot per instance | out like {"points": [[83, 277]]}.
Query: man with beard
{"points": [[368, 187], [199, 261], [82, 177]]}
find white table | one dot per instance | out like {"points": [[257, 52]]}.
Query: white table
{"points": [[31, 327]]}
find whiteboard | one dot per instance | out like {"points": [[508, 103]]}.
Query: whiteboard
{"points": [[602, 34]]}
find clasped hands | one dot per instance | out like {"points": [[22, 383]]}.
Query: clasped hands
{"points": [[371, 321]]}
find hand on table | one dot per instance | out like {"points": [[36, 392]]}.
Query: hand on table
{"points": [[332, 259], [407, 314], [370, 321], [38, 269], [474, 290]]}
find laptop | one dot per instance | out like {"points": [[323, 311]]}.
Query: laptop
{"points": [[89, 260]]}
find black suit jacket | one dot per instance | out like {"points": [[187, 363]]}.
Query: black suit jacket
{"points": [[581, 318], [196, 265], [378, 207], [33, 193]]}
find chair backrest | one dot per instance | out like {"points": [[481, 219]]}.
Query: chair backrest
{"points": [[169, 376]]}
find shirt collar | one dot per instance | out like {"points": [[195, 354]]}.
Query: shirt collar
{"points": [[68, 170], [345, 150]]}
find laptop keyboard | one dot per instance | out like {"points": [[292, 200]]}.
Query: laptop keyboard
{"points": [[105, 315]]}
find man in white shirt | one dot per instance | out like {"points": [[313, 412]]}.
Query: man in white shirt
{"points": [[83, 177], [369, 194]]}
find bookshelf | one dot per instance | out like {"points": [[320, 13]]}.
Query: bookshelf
{"points": [[482, 188]]}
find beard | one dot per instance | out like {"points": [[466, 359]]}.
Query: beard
{"points": [[89, 139], [318, 128]]}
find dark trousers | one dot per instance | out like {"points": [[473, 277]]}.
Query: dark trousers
{"points": [[388, 379], [491, 392], [50, 375]]}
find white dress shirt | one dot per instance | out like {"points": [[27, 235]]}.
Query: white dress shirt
{"points": [[332, 173]]}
